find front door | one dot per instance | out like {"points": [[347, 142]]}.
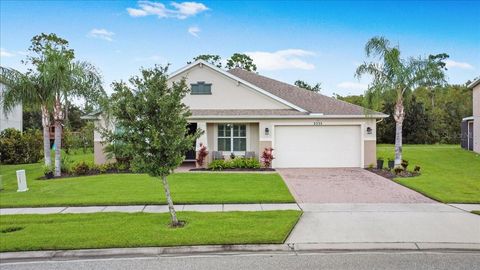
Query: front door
{"points": [[191, 154]]}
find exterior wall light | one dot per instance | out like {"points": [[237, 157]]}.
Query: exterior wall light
{"points": [[267, 131], [369, 130]]}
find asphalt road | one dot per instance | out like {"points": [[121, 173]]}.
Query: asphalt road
{"points": [[354, 260]]}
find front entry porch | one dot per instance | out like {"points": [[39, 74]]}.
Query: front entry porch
{"points": [[228, 139]]}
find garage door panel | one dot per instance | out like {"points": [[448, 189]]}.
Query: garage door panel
{"points": [[317, 146]]}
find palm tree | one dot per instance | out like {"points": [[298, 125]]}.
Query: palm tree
{"points": [[55, 79], [69, 80], [31, 90], [396, 77]]}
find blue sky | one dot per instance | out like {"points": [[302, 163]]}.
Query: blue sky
{"points": [[313, 41]]}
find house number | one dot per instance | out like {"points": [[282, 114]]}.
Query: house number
{"points": [[317, 123]]}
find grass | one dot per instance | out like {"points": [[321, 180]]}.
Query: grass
{"points": [[129, 189], [102, 230], [476, 212], [448, 173]]}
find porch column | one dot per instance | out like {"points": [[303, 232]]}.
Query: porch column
{"points": [[203, 138]]}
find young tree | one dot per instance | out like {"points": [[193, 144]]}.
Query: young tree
{"points": [[302, 84], [153, 121], [209, 58], [396, 76], [243, 61]]}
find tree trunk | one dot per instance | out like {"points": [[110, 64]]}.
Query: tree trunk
{"points": [[58, 118], [399, 116], [171, 209], [46, 136]]}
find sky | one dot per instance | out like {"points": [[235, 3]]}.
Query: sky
{"points": [[314, 41]]}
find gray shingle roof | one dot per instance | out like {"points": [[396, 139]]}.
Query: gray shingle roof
{"points": [[308, 100], [266, 112]]}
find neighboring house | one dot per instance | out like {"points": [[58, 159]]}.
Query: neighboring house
{"points": [[471, 125], [13, 119], [243, 113]]}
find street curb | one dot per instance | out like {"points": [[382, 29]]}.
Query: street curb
{"points": [[79, 254]]}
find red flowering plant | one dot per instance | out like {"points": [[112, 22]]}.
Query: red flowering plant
{"points": [[202, 154], [267, 157]]}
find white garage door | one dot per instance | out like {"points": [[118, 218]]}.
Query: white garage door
{"points": [[317, 146]]}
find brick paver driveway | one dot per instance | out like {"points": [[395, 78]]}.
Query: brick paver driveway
{"points": [[346, 185]]}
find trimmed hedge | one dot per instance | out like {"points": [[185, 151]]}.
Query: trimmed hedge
{"points": [[236, 163], [20, 148]]}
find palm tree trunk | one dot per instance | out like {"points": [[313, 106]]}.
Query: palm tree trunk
{"points": [[171, 209], [58, 118], [399, 116], [46, 136]]}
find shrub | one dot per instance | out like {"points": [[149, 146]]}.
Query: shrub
{"points": [[404, 164], [81, 168], [48, 169], [202, 154], [398, 170], [267, 157], [103, 168], [217, 165], [252, 163], [236, 163], [416, 169], [66, 165], [122, 152], [380, 158], [19, 148]]}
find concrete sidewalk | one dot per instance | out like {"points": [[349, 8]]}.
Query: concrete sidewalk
{"points": [[151, 208], [385, 223]]}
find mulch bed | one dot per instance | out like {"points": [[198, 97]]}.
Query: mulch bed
{"points": [[69, 175], [235, 170], [391, 174]]}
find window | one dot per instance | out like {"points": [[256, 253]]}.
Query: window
{"points": [[232, 137], [201, 88]]}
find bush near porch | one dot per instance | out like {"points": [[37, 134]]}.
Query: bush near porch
{"points": [[449, 173]]}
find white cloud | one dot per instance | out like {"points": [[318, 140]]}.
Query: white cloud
{"points": [[187, 9], [454, 64], [194, 30], [5, 53], [180, 10], [283, 59], [352, 86], [101, 34]]}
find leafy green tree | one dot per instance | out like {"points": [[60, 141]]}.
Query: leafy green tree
{"points": [[396, 76], [240, 60], [209, 58], [153, 120], [314, 88]]}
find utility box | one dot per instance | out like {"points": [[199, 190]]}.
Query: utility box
{"points": [[22, 181]]}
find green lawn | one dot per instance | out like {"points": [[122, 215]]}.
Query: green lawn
{"points": [[449, 173], [125, 189], [476, 212], [110, 230]]}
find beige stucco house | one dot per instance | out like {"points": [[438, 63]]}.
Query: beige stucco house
{"points": [[471, 125], [12, 119], [242, 112]]}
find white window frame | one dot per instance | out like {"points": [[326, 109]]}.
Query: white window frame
{"points": [[246, 137]]}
